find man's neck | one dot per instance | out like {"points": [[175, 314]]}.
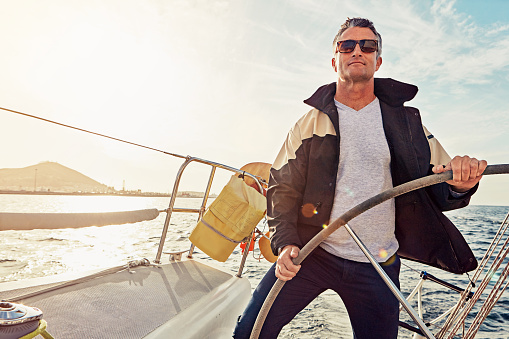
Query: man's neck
{"points": [[355, 95]]}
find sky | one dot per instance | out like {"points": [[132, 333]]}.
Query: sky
{"points": [[225, 80]]}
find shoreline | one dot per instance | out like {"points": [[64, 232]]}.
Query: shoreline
{"points": [[123, 194]]}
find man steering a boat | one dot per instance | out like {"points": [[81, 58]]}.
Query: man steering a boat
{"points": [[359, 140]]}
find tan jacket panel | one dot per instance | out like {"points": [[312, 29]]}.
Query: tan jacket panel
{"points": [[438, 154], [312, 123]]}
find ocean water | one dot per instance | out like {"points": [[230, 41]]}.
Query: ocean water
{"points": [[35, 253]]}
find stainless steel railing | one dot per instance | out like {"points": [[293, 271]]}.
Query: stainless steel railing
{"points": [[201, 210]]}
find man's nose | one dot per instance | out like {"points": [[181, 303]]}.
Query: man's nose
{"points": [[357, 50]]}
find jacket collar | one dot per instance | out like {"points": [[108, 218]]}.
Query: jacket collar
{"points": [[392, 92]]}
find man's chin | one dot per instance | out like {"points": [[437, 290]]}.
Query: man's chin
{"points": [[358, 77]]}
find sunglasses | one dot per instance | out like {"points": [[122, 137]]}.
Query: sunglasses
{"points": [[367, 46]]}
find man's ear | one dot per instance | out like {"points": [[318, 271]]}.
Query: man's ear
{"points": [[334, 65], [378, 63]]}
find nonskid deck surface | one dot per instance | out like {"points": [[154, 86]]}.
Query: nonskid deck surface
{"points": [[124, 305]]}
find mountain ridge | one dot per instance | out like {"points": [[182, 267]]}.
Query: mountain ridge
{"points": [[53, 178], [49, 176]]}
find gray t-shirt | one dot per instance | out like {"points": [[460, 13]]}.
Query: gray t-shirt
{"points": [[364, 171]]}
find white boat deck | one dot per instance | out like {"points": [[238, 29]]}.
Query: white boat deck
{"points": [[152, 302]]}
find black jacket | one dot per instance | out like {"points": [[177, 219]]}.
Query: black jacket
{"points": [[303, 179]]}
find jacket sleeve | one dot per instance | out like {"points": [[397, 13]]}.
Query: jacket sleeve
{"points": [[284, 195], [441, 193]]}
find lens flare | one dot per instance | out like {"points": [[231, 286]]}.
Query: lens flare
{"points": [[389, 261], [349, 192], [308, 210]]}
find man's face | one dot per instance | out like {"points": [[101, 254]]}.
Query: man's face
{"points": [[356, 66]]}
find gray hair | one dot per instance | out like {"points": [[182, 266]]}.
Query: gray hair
{"points": [[358, 22]]}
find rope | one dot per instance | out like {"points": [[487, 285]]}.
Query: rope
{"points": [[349, 215], [90, 132]]}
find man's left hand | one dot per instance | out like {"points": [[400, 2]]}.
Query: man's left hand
{"points": [[466, 172]]}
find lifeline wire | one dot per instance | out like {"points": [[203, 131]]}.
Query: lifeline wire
{"points": [[94, 133]]}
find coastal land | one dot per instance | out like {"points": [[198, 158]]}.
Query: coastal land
{"points": [[52, 178]]}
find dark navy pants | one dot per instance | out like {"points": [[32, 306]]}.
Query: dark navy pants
{"points": [[371, 306]]}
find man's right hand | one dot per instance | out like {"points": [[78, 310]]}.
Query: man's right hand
{"points": [[285, 268]]}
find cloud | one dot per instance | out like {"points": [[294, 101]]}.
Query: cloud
{"points": [[430, 41], [447, 48], [497, 29]]}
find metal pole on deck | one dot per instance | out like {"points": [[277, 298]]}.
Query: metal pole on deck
{"points": [[170, 210], [394, 289]]}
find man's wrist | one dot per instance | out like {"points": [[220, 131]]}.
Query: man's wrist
{"points": [[456, 194], [281, 248]]}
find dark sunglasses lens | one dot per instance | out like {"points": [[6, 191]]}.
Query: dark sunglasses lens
{"points": [[368, 46], [347, 46]]}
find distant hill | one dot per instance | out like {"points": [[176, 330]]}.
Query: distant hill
{"points": [[48, 176]]}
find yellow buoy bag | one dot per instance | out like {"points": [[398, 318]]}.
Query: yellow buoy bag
{"points": [[230, 218]]}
